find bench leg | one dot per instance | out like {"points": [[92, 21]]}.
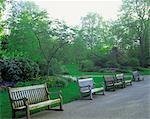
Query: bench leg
{"points": [[49, 107], [28, 113], [106, 89], [91, 96], [125, 85], [61, 103], [81, 95], [103, 92], [13, 114], [114, 88], [61, 108]]}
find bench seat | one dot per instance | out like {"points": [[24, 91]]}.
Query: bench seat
{"points": [[97, 90], [94, 90], [128, 82], [118, 83], [39, 105]]}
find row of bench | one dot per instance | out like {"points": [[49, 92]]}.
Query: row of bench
{"points": [[37, 96], [111, 82]]}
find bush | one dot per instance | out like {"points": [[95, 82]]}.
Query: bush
{"points": [[55, 68], [19, 70], [86, 65], [112, 64], [122, 71], [134, 62], [50, 81], [100, 61]]}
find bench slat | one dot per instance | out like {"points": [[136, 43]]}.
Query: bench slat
{"points": [[27, 88]]}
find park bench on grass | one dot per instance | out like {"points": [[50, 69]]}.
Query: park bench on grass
{"points": [[87, 86], [123, 78], [137, 76], [32, 97]]}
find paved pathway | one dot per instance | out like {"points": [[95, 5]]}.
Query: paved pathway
{"points": [[132, 102]]}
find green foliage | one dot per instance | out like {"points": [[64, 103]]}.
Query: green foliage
{"points": [[50, 81], [133, 62], [87, 65], [112, 64], [19, 69], [56, 67], [52, 43]]}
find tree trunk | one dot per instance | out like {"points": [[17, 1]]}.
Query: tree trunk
{"points": [[48, 69]]}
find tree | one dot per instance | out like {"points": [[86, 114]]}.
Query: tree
{"points": [[34, 35], [1, 11], [135, 20], [91, 24]]}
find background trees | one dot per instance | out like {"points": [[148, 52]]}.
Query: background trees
{"points": [[132, 29], [95, 44]]}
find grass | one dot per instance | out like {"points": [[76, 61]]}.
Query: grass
{"points": [[69, 93]]}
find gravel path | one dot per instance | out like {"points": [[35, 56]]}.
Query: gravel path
{"points": [[132, 102]]}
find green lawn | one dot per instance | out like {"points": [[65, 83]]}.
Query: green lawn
{"points": [[69, 93]]}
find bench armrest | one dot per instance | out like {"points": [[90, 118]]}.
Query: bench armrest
{"points": [[94, 83], [128, 77], [99, 84], [102, 84], [88, 86], [55, 93]]}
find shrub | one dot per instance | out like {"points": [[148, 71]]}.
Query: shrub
{"points": [[112, 64], [134, 62], [100, 61], [55, 68], [1, 67], [19, 69], [50, 81], [86, 65], [122, 71]]}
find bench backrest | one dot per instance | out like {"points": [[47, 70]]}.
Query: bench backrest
{"points": [[109, 79], [119, 76], [34, 94], [85, 82]]}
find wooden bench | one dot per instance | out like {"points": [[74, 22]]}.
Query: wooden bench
{"points": [[120, 78], [123, 78], [128, 80], [32, 97], [109, 83], [137, 76], [87, 85]]}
